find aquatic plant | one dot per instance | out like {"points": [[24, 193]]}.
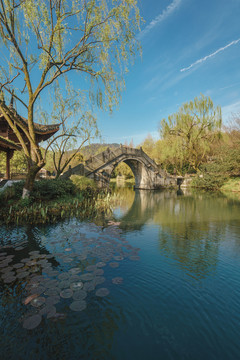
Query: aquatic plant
{"points": [[82, 182]]}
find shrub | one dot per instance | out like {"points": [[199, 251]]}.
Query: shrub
{"points": [[2, 201], [52, 189], [83, 183], [13, 192], [42, 190], [209, 181], [22, 203]]}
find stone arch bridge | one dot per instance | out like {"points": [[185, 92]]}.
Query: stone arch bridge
{"points": [[148, 175]]}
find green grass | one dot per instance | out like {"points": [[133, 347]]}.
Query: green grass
{"points": [[232, 184]]}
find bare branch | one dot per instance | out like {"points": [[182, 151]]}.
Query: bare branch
{"points": [[8, 81]]}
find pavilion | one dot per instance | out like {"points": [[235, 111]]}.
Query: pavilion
{"points": [[9, 141]]}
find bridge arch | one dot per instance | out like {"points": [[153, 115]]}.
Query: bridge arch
{"points": [[146, 172], [148, 175], [139, 169]]}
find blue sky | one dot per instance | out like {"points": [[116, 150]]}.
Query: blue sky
{"points": [[189, 47]]}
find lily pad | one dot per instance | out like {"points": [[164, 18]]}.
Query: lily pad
{"points": [[63, 276], [38, 278], [3, 254], [3, 264], [118, 258], [101, 264], [64, 284], [74, 278], [7, 269], [51, 283], [52, 313], [82, 257], [35, 252], [7, 274], [66, 294], [78, 305], [87, 277], [89, 286], [49, 256], [117, 280], [99, 280], [74, 271], [37, 302], [52, 291], [48, 310], [9, 279], [37, 290], [22, 275], [76, 286], [99, 272], [79, 295], [59, 316], [31, 263], [91, 268], [53, 273], [32, 322], [52, 300], [18, 265], [114, 264], [19, 248], [102, 292]]}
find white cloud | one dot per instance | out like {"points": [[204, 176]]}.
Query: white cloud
{"points": [[229, 110], [211, 55], [164, 14]]}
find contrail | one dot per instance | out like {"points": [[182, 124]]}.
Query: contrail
{"points": [[165, 13], [211, 55]]}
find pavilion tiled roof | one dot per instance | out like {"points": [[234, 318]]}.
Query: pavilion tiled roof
{"points": [[8, 144], [39, 128]]}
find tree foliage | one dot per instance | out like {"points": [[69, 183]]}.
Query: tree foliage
{"points": [[18, 162], [122, 169], [191, 131], [43, 40], [149, 145]]}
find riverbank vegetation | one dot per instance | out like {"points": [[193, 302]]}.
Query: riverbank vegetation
{"points": [[53, 200], [193, 142]]}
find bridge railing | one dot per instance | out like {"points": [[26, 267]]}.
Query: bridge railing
{"points": [[97, 162], [109, 155]]}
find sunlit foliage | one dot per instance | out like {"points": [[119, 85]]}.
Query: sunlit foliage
{"points": [[42, 40]]}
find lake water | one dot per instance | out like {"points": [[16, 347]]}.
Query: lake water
{"points": [[158, 278]]}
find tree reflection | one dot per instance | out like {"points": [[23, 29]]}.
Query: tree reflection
{"points": [[190, 225]]}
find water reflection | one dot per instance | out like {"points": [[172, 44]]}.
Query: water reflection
{"points": [[168, 263], [191, 225]]}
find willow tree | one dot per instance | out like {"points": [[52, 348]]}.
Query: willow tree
{"points": [[79, 126], [43, 40], [192, 130]]}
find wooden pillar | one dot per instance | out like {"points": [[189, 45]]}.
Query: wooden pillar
{"points": [[8, 158]]}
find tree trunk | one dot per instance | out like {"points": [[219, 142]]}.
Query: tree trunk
{"points": [[58, 173], [33, 169]]}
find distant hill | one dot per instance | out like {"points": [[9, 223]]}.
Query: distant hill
{"points": [[96, 148]]}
